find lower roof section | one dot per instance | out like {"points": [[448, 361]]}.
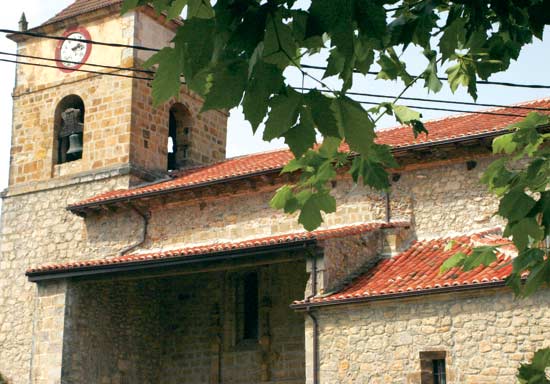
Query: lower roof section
{"points": [[201, 253], [417, 272]]}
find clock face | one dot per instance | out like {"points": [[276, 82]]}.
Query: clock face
{"points": [[72, 54]]}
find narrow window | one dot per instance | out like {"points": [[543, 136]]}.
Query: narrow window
{"points": [[439, 371], [432, 367], [69, 129], [172, 141], [179, 137], [247, 308]]}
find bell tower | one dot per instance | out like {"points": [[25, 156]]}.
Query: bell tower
{"points": [[83, 123], [87, 111]]}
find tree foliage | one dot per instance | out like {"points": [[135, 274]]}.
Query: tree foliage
{"points": [[235, 53]]}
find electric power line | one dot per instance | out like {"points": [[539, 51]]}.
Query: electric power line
{"points": [[484, 82], [309, 66], [77, 70], [78, 63], [323, 90], [298, 88], [61, 38]]}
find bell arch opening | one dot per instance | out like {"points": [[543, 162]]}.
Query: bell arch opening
{"points": [[69, 129], [179, 137]]}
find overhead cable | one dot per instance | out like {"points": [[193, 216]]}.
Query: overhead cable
{"points": [[309, 66], [372, 95], [297, 88]]}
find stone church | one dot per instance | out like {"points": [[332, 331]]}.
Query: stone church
{"points": [[134, 252]]}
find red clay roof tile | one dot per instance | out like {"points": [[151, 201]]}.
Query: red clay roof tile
{"points": [[208, 249], [417, 269], [80, 7], [439, 131]]}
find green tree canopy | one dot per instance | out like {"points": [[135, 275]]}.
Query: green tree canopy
{"points": [[236, 52]]}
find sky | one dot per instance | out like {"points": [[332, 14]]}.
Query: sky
{"points": [[531, 68]]}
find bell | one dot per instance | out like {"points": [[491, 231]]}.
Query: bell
{"points": [[75, 145]]}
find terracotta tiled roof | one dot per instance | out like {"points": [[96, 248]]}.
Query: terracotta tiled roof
{"points": [[456, 127], [80, 7], [213, 248], [417, 270]]}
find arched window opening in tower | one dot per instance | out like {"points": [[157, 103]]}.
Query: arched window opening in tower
{"points": [[179, 137], [69, 129]]}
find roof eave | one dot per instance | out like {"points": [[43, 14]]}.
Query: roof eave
{"points": [[399, 295], [153, 264], [80, 209]]}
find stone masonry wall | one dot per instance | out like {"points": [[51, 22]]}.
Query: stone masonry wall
{"points": [[437, 201], [181, 330], [49, 318], [485, 334], [112, 333], [37, 229]]}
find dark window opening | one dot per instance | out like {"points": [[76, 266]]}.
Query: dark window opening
{"points": [[69, 129], [172, 142], [247, 308], [439, 371], [432, 366], [179, 137]]}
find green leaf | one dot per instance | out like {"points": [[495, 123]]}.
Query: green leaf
{"points": [[538, 276], [281, 197], [176, 9], [301, 137], [330, 146], [431, 79], [196, 50], [226, 85], [484, 255], [525, 231], [456, 260], [452, 37], [532, 121], [374, 175], [311, 217], [266, 80], [167, 81], [128, 5], [292, 166], [418, 128], [535, 372], [283, 114], [463, 74], [336, 18], [323, 117], [391, 68], [405, 114], [450, 245], [279, 44], [528, 259], [371, 18], [504, 144], [201, 9], [515, 205], [354, 123], [382, 154]]}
